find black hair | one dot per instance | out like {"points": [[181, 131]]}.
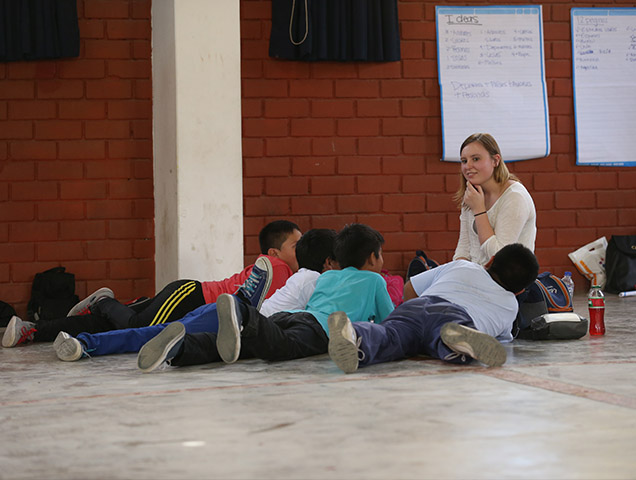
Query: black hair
{"points": [[274, 234], [514, 267], [355, 243], [314, 247]]}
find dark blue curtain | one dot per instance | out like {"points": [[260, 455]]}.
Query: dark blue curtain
{"points": [[38, 29], [341, 30]]}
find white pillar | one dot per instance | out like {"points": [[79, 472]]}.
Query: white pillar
{"points": [[197, 139]]}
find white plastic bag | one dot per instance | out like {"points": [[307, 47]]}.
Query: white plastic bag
{"points": [[590, 261]]}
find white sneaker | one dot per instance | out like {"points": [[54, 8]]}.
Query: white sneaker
{"points": [[67, 348], [478, 345], [228, 338], [343, 342], [60, 339], [83, 307], [17, 331], [162, 348]]}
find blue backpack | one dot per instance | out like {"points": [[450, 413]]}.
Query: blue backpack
{"points": [[547, 295]]}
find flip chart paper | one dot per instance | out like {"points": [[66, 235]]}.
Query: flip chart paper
{"points": [[604, 75], [492, 78]]}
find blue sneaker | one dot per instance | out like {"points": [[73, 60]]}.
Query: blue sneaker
{"points": [[67, 348], [162, 348], [228, 339], [255, 288]]}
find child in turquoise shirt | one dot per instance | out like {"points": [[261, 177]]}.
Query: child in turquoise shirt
{"points": [[358, 289]]}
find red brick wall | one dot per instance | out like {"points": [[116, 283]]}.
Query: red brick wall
{"points": [[76, 185], [324, 144], [330, 143]]}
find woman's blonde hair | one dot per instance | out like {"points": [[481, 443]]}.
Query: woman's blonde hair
{"points": [[501, 174]]}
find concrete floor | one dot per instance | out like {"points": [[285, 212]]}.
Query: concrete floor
{"points": [[554, 410]]}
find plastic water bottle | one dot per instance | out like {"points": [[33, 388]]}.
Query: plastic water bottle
{"points": [[569, 283], [596, 305]]}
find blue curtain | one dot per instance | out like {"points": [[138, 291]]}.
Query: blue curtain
{"points": [[38, 29], [340, 30]]}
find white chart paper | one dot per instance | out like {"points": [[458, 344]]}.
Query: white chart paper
{"points": [[604, 74], [492, 78]]}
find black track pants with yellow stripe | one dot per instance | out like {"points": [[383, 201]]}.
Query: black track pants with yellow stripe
{"points": [[173, 302]]}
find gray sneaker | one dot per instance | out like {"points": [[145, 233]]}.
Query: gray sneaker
{"points": [[343, 342], [162, 348], [67, 348], [83, 307], [478, 345], [17, 331], [61, 337], [228, 339]]}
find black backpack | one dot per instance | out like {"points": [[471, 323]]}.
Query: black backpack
{"points": [[52, 295], [620, 264], [539, 307], [6, 312]]}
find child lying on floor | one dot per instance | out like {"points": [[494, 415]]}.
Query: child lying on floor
{"points": [[461, 311]]}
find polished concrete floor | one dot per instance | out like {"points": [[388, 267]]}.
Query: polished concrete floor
{"points": [[555, 410]]}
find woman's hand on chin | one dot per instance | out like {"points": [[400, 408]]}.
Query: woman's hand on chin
{"points": [[474, 198]]}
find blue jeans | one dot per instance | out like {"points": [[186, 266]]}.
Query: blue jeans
{"points": [[202, 319], [413, 328]]}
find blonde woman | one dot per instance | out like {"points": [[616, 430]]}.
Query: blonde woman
{"points": [[496, 209]]}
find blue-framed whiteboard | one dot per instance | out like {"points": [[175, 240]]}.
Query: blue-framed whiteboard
{"points": [[492, 78], [604, 76]]}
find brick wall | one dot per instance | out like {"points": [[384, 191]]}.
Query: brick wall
{"points": [[329, 143], [76, 185], [324, 144]]}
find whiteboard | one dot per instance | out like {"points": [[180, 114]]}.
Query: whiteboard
{"points": [[604, 75], [492, 78]]}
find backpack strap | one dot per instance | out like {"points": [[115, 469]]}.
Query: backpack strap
{"points": [[552, 305]]}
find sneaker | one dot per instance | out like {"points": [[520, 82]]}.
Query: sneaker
{"points": [[17, 332], [83, 307], [343, 342], [257, 284], [162, 348], [138, 302], [60, 339], [228, 339], [67, 348], [478, 345]]}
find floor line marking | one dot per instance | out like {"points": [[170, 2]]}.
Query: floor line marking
{"points": [[505, 374], [565, 388]]}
